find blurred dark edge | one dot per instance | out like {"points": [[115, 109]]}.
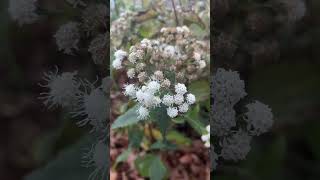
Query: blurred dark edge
{"points": [[26, 53]]}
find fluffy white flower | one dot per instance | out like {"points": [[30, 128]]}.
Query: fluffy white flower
{"points": [[236, 147], [167, 100], [132, 57], [179, 30], [130, 73], [130, 90], [172, 112], [197, 56], [67, 37], [206, 137], [186, 29], [227, 87], [153, 86], [97, 159], [148, 99], [178, 99], [140, 96], [62, 89], [117, 64], [169, 51], [180, 88], [202, 64], [259, 118], [157, 101], [184, 107], [23, 11], [120, 54], [163, 30], [98, 47], [191, 99], [143, 112]]}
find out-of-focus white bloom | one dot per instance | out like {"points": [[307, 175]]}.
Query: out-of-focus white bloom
{"points": [[167, 100], [236, 147], [166, 83], [296, 9], [197, 56], [117, 64], [179, 30], [23, 11], [157, 101], [259, 118], [158, 75], [98, 49], [140, 96], [191, 99], [153, 86], [130, 90], [202, 64], [131, 73], [148, 99], [172, 112], [180, 88], [132, 57], [67, 37], [183, 108], [223, 118], [120, 54], [206, 137], [97, 158], [163, 30], [227, 87], [93, 107], [186, 29], [143, 113], [62, 89], [178, 99], [169, 51]]}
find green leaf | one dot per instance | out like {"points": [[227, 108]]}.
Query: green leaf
{"points": [[178, 138], [67, 164], [163, 145], [122, 157], [159, 115], [192, 118], [197, 31], [127, 119], [201, 89], [143, 164], [179, 120], [135, 137], [157, 169]]}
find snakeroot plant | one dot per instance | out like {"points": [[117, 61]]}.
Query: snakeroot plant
{"points": [[166, 84]]}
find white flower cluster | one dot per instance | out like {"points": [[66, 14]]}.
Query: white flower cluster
{"points": [[119, 55], [67, 37], [234, 140], [149, 96], [120, 28], [23, 11]]}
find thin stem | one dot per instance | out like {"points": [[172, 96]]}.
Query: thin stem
{"points": [[175, 12]]}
